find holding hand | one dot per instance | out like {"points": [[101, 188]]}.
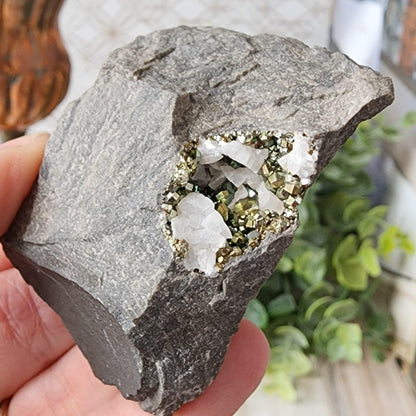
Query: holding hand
{"points": [[44, 373]]}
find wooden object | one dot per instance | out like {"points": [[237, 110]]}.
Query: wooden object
{"points": [[34, 66], [408, 52]]}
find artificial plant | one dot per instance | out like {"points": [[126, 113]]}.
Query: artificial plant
{"points": [[320, 299]]}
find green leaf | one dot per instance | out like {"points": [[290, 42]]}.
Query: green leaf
{"points": [[387, 240], [409, 119], [281, 383], [354, 353], [369, 258], [311, 265], [285, 265], [333, 172], [364, 126], [378, 322], [332, 208], [281, 306], [348, 268], [407, 245], [275, 282], [298, 364], [355, 159], [352, 275], [366, 227], [363, 184], [393, 238], [346, 249], [298, 246], [343, 310], [293, 362], [354, 209], [308, 211], [390, 132], [349, 333], [290, 335], [378, 354], [324, 332], [346, 345], [316, 291], [338, 351], [257, 313], [379, 211], [316, 311]]}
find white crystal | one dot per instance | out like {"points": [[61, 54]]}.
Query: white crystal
{"points": [[203, 228], [267, 200], [212, 151], [244, 154], [237, 176], [194, 260], [239, 194], [209, 151], [299, 161]]}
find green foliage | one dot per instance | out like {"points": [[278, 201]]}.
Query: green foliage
{"points": [[288, 360], [320, 299], [257, 314], [281, 305], [391, 238]]}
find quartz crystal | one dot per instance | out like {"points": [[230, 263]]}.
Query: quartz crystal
{"points": [[301, 160], [246, 155], [202, 227]]}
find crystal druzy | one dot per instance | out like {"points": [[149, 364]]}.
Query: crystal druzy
{"points": [[247, 186]]}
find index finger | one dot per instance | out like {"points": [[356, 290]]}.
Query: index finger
{"points": [[20, 160], [4, 261]]}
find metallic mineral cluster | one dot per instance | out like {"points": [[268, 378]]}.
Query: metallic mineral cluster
{"points": [[236, 194]]}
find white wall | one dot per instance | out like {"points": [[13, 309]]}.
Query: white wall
{"points": [[405, 100]]}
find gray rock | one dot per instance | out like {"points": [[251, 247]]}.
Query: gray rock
{"points": [[90, 236]]}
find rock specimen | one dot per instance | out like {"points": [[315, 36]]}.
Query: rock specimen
{"points": [[168, 193]]}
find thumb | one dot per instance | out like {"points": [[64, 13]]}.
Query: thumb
{"points": [[20, 160]]}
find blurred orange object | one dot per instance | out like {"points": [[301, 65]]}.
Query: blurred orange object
{"points": [[408, 51], [34, 65]]}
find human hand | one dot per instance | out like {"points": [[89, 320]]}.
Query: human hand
{"points": [[41, 368]]}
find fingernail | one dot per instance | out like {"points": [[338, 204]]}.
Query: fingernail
{"points": [[24, 140]]}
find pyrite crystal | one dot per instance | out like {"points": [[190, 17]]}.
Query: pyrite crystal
{"points": [[134, 162]]}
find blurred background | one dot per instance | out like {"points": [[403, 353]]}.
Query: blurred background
{"points": [[380, 34], [92, 29]]}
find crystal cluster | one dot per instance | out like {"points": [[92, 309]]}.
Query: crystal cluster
{"points": [[229, 190]]}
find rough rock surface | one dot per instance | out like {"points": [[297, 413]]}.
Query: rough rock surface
{"points": [[89, 238]]}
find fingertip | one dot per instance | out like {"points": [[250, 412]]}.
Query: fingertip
{"points": [[252, 349], [244, 366], [4, 261], [20, 160], [248, 330], [37, 139]]}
